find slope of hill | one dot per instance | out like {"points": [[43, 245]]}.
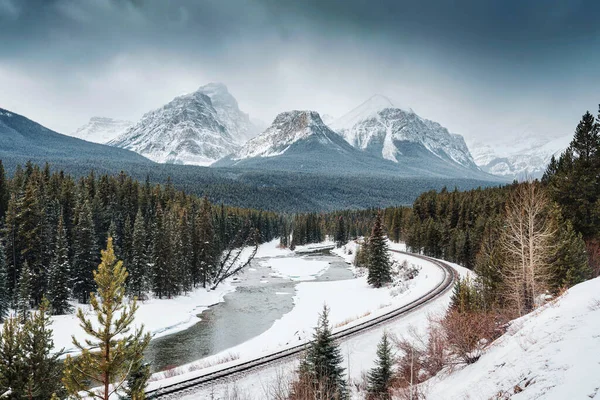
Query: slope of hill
{"points": [[22, 139], [101, 129], [551, 353]]}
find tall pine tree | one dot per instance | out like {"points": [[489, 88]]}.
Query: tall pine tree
{"points": [[322, 364], [4, 293], [138, 265], [380, 377], [118, 348], [85, 254], [379, 263], [24, 297], [59, 291]]}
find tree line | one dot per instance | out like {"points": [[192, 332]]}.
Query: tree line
{"points": [[53, 227]]}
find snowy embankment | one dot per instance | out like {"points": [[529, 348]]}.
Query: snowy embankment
{"points": [[351, 301], [160, 317], [552, 353]]}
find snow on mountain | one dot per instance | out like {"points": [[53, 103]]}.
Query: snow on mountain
{"points": [[238, 123], [101, 129], [287, 129], [518, 159], [188, 130], [384, 130], [549, 354], [327, 119]]}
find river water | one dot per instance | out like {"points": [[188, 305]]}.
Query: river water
{"points": [[258, 301]]}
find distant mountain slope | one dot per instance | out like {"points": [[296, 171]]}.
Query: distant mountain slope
{"points": [[382, 129], [197, 129], [300, 141], [22, 139], [518, 159], [101, 129]]}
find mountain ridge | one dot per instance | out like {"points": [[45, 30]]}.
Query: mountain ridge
{"points": [[196, 129]]}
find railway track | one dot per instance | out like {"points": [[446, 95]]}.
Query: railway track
{"points": [[185, 387]]}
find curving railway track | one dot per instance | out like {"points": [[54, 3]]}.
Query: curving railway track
{"points": [[185, 387]]}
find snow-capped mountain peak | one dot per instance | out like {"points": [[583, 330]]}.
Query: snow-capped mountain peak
{"points": [[518, 158], [196, 128], [187, 130], [287, 128], [390, 132], [102, 129], [368, 109], [237, 122]]}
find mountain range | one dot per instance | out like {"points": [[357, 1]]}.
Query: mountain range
{"points": [[518, 158], [207, 127]]}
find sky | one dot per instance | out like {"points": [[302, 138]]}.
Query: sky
{"points": [[488, 70]]}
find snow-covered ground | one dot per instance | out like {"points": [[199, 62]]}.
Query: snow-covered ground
{"points": [[160, 317], [552, 353], [350, 301]]}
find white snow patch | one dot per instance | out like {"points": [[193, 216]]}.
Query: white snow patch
{"points": [[297, 269], [556, 349]]}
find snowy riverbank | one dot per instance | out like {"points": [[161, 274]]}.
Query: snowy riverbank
{"points": [[351, 301], [163, 317]]}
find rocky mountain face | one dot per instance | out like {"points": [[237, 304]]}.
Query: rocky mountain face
{"points": [[518, 159], [287, 129], [382, 129], [197, 128], [300, 141], [238, 123], [102, 129]]}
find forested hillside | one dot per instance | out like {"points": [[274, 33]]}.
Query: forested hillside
{"points": [[170, 242]]}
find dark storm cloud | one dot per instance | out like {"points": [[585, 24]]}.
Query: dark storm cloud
{"points": [[460, 62]]}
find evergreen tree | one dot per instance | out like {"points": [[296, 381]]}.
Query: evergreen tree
{"points": [[118, 349], [380, 377], [85, 254], [396, 228], [4, 294], [135, 386], [42, 363], [341, 237], [4, 192], [24, 299], [205, 247], [569, 261], [12, 246], [13, 375], [160, 255], [138, 265], [31, 238], [379, 262], [59, 291], [323, 361]]}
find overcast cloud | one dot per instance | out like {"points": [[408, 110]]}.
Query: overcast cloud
{"points": [[484, 69]]}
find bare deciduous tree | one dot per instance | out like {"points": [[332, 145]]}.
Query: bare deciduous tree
{"points": [[237, 256], [527, 246]]}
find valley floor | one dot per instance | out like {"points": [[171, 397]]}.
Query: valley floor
{"points": [[350, 302]]}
